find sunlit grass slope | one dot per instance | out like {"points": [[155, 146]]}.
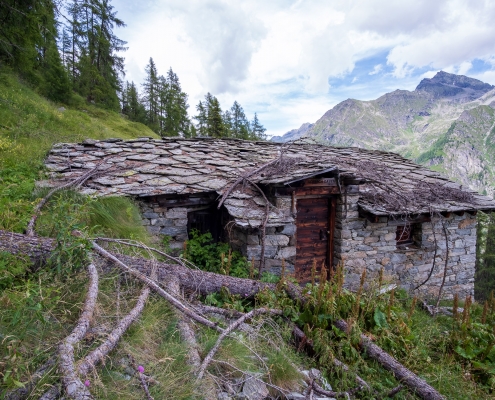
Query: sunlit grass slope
{"points": [[29, 126]]}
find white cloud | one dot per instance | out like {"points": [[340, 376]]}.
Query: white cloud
{"points": [[276, 57], [464, 67], [376, 69]]}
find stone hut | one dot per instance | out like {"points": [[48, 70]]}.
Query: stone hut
{"points": [[365, 209]]}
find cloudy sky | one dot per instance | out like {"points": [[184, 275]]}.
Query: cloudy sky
{"points": [[292, 60]]}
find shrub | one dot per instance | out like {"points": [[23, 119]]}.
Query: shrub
{"points": [[203, 252]]}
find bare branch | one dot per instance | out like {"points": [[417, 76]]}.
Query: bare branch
{"points": [[74, 183], [73, 386], [156, 288], [228, 330], [106, 347], [417, 385]]}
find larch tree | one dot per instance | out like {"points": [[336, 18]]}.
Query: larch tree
{"points": [[150, 97], [176, 121], [131, 106], [239, 122], [28, 44], [257, 130], [215, 126]]}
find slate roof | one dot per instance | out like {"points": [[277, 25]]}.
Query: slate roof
{"points": [[148, 167]]}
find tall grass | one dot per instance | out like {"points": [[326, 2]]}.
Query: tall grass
{"points": [[29, 126]]}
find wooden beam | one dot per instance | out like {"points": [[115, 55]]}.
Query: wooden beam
{"points": [[412, 220], [370, 217], [311, 191], [331, 228]]}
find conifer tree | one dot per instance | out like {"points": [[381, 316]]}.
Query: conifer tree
{"points": [[227, 122], [257, 130], [130, 104], [202, 118], [92, 51], [215, 126], [485, 256], [28, 38], [239, 124], [151, 96], [175, 119]]}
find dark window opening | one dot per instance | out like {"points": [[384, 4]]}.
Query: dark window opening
{"points": [[408, 235], [206, 220], [403, 235]]}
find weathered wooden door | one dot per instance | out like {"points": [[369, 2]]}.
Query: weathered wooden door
{"points": [[314, 236]]}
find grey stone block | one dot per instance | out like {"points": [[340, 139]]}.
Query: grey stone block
{"points": [[174, 230], [174, 214], [254, 251], [150, 214], [286, 252], [276, 240], [164, 222], [288, 230]]}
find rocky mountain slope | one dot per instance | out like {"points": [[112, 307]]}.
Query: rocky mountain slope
{"points": [[447, 123]]}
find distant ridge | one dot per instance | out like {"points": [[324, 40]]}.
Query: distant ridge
{"points": [[446, 123]]}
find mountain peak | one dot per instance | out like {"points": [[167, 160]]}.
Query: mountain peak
{"points": [[444, 84]]}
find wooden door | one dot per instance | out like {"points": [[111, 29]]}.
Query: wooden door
{"points": [[314, 239]]}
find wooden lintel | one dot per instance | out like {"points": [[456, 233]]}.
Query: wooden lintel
{"points": [[459, 213], [370, 217], [446, 214], [417, 219], [308, 191]]}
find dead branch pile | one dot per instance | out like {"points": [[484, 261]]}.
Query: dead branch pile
{"points": [[383, 190], [201, 282]]}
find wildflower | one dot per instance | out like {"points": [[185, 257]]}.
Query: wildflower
{"points": [[87, 383], [140, 369]]}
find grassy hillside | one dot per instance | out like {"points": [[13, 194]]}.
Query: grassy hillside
{"points": [[29, 126]]}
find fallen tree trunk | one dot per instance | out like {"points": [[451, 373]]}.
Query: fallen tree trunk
{"points": [[417, 385], [205, 283], [73, 385], [201, 282]]}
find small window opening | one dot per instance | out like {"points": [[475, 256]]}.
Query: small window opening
{"points": [[409, 235], [404, 235]]}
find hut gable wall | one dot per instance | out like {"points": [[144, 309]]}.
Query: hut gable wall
{"points": [[361, 244]]}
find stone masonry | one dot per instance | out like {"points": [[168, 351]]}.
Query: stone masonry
{"points": [[361, 244], [170, 221], [358, 244]]}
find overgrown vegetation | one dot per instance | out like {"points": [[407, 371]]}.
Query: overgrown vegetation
{"points": [[203, 252], [485, 256]]}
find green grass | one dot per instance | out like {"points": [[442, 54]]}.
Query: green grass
{"points": [[29, 126], [114, 217]]}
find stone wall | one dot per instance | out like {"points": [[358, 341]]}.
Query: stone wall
{"points": [[279, 244], [170, 221], [361, 244], [358, 244]]}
